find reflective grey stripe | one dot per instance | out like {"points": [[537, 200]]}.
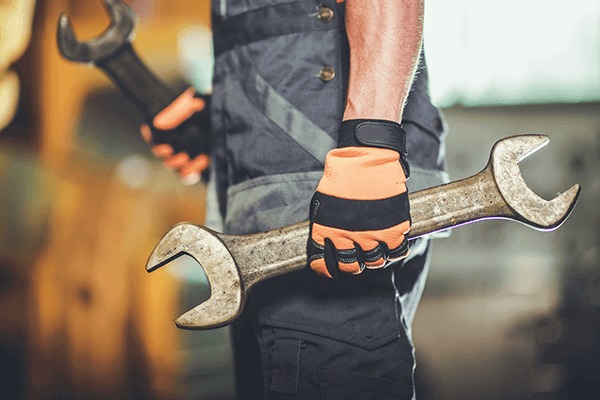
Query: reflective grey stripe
{"points": [[285, 115], [292, 121]]}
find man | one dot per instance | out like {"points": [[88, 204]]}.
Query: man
{"points": [[300, 87]]}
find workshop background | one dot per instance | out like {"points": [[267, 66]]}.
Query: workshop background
{"points": [[508, 312]]}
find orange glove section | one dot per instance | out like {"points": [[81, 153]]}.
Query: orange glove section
{"points": [[359, 214], [178, 131]]}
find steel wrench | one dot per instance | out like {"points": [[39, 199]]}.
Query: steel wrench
{"points": [[235, 263]]}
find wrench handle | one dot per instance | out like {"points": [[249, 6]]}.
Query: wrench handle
{"points": [[143, 88], [265, 255]]}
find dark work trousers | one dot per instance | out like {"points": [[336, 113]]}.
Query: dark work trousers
{"points": [[306, 337]]}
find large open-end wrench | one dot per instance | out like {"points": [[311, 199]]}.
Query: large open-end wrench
{"points": [[112, 52], [234, 263]]}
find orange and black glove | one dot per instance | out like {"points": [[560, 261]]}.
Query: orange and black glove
{"points": [[359, 214], [180, 135]]}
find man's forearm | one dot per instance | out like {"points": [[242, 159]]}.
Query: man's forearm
{"points": [[385, 41]]}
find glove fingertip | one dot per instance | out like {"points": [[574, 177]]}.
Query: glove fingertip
{"points": [[331, 260], [350, 268], [146, 133], [318, 266], [191, 179], [399, 252], [162, 150]]}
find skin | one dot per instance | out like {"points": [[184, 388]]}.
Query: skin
{"points": [[385, 41]]}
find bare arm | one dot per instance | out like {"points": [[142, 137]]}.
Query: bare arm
{"points": [[385, 41], [359, 212]]}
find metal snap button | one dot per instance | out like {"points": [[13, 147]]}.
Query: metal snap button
{"points": [[327, 73], [325, 14]]}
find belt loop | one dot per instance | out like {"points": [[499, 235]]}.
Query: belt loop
{"points": [[286, 366]]}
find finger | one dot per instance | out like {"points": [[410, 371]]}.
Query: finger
{"points": [[345, 260], [399, 252], [318, 266], [374, 258], [191, 179], [162, 150], [331, 259], [328, 261], [197, 165], [146, 133], [316, 258], [348, 262], [353, 268], [178, 111], [177, 161]]}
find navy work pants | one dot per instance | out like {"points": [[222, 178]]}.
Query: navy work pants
{"points": [[305, 337]]}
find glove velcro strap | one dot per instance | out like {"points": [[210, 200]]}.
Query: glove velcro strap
{"points": [[372, 133], [373, 215], [375, 133]]}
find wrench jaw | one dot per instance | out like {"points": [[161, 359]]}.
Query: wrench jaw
{"points": [[526, 206], [227, 295], [119, 34]]}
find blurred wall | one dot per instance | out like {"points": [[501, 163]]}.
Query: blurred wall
{"points": [[483, 324], [15, 29], [83, 204]]}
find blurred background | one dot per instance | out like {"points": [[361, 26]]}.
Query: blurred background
{"points": [[508, 313]]}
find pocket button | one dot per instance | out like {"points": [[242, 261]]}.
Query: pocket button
{"points": [[325, 14], [327, 73]]}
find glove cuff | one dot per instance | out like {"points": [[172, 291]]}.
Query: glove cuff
{"points": [[372, 133], [375, 133]]}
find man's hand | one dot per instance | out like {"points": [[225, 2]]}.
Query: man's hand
{"points": [[360, 214], [180, 136]]}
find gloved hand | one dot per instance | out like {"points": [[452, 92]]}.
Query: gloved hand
{"points": [[180, 135], [359, 214]]}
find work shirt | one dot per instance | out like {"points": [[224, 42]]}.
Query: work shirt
{"points": [[281, 70], [279, 89]]}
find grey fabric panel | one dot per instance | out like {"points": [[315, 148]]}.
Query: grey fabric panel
{"points": [[425, 178], [286, 116], [274, 201], [292, 68], [270, 202]]}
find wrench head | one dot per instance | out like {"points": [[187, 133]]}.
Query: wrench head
{"points": [[227, 296], [119, 34], [528, 207]]}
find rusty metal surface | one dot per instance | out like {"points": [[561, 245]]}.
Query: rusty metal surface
{"points": [[527, 207], [234, 263], [227, 293]]}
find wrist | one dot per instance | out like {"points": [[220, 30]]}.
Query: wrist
{"points": [[372, 133], [375, 133]]}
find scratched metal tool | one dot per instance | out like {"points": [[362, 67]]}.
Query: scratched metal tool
{"points": [[113, 53], [235, 263]]}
